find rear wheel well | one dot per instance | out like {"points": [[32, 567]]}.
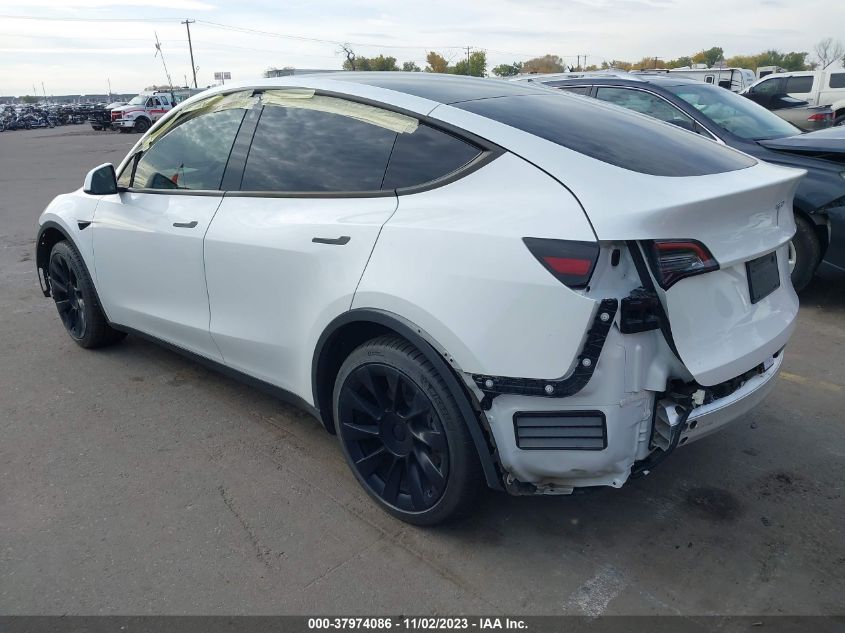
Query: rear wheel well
{"points": [[342, 342]]}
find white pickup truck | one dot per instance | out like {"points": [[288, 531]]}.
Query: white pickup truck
{"points": [[142, 111], [818, 87]]}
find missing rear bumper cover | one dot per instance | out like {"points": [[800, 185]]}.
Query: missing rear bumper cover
{"points": [[492, 386]]}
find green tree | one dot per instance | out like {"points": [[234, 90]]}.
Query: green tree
{"points": [[410, 67], [709, 57], [476, 65], [681, 62], [371, 63], [617, 64], [29, 99], [436, 63], [508, 70], [544, 64], [648, 63], [795, 61]]}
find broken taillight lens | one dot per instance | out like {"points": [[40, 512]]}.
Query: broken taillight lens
{"points": [[570, 262], [673, 260]]}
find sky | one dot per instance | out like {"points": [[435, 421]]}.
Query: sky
{"points": [[79, 46]]}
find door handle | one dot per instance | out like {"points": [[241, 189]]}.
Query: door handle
{"points": [[185, 225], [340, 241]]}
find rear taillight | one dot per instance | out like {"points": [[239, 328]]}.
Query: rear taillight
{"points": [[570, 262], [673, 260], [820, 116]]}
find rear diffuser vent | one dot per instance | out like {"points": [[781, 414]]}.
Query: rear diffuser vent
{"points": [[560, 430]]}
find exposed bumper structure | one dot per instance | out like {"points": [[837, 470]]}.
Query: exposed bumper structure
{"points": [[634, 428]]}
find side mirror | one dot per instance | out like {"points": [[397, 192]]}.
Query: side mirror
{"points": [[101, 181]]}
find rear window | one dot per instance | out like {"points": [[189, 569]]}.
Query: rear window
{"points": [[612, 135], [837, 80]]}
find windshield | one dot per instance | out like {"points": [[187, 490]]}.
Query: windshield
{"points": [[738, 115], [138, 100]]}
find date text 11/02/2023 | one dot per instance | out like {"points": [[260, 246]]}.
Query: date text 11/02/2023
{"points": [[417, 623]]}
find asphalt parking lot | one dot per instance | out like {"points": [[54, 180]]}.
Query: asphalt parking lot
{"points": [[133, 481]]}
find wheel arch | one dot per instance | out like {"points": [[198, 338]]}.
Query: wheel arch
{"points": [[818, 220], [350, 329], [50, 234]]}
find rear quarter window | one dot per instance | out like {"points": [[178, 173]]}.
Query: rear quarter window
{"points": [[837, 80], [612, 135], [426, 155]]}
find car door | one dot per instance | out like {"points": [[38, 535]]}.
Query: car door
{"points": [[148, 239], [765, 91], [284, 254]]}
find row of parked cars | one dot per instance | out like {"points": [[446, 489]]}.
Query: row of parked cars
{"points": [[467, 281], [809, 99]]}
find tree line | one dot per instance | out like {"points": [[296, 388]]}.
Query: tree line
{"points": [[826, 52]]}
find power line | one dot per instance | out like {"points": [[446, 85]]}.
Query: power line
{"points": [[302, 38]]}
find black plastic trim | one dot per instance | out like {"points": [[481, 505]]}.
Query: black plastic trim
{"points": [[493, 386], [266, 387], [593, 413], [414, 335]]}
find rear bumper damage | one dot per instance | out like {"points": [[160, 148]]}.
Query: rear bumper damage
{"points": [[619, 425]]}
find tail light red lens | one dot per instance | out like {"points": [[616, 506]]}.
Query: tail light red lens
{"points": [[571, 263], [820, 116], [673, 260]]}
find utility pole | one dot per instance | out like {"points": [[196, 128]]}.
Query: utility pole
{"points": [[109, 80], [468, 50], [158, 50], [187, 24]]}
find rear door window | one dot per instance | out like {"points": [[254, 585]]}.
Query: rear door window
{"points": [[644, 103], [579, 90], [320, 144], [800, 84], [425, 155]]}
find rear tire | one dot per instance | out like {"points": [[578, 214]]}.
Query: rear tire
{"points": [[76, 299], [840, 120], [807, 252], [403, 435]]}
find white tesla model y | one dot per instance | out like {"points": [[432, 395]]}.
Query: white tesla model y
{"points": [[465, 280]]}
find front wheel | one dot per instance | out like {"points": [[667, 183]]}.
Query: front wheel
{"points": [[76, 299], [402, 433], [142, 125]]}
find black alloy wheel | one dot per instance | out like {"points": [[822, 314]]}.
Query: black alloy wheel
{"points": [[403, 434], [67, 293], [76, 299], [394, 437]]}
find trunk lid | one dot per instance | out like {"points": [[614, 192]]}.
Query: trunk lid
{"points": [[718, 331]]}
